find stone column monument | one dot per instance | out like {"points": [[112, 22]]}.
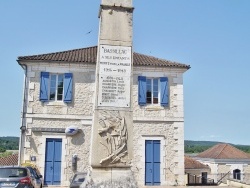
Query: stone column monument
{"points": [[111, 146]]}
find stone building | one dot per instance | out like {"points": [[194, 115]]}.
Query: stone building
{"points": [[46, 116], [62, 96], [226, 162]]}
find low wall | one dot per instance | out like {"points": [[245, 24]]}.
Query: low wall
{"points": [[237, 184]]}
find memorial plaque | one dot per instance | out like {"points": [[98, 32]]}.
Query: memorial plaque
{"points": [[114, 76]]}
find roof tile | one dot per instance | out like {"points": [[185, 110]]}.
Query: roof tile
{"points": [[89, 54], [193, 164], [224, 151], [10, 160]]}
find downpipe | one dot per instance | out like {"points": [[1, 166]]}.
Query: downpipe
{"points": [[23, 122]]}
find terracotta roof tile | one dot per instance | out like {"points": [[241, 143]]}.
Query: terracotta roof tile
{"points": [[9, 160], [89, 54], [193, 164], [224, 151]]}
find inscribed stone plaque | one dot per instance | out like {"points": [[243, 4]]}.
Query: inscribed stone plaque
{"points": [[114, 76]]}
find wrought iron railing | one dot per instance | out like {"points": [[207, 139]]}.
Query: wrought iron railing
{"points": [[216, 179], [199, 180]]}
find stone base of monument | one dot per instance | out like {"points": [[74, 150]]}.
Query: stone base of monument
{"points": [[110, 178]]}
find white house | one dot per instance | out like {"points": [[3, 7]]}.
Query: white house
{"points": [[226, 162]]}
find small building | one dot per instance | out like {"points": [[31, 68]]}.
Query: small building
{"points": [[226, 162], [196, 172]]}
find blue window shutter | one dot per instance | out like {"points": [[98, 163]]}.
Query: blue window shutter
{"points": [[67, 87], [164, 91], [44, 86], [142, 90]]}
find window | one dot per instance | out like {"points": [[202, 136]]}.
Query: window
{"points": [[236, 174], [152, 91], [56, 87]]}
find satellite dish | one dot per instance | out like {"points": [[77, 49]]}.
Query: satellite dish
{"points": [[71, 130]]}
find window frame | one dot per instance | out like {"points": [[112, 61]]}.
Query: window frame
{"points": [[163, 91], [152, 91], [67, 88], [56, 87]]}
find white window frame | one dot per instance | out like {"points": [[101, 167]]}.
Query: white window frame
{"points": [[56, 89], [152, 90]]}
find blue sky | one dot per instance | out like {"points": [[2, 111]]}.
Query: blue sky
{"points": [[210, 35]]}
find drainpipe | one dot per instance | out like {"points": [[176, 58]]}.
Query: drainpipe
{"points": [[23, 122]]}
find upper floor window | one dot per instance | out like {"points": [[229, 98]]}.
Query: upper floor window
{"points": [[153, 91], [56, 87]]}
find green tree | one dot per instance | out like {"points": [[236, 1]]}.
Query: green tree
{"points": [[2, 149]]}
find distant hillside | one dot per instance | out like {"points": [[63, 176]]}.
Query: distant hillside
{"points": [[9, 143], [200, 146]]}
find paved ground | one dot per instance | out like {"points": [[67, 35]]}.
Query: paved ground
{"points": [[171, 187]]}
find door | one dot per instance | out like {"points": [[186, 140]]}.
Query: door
{"points": [[204, 177], [53, 155], [152, 162]]}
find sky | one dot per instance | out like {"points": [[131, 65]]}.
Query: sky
{"points": [[211, 36]]}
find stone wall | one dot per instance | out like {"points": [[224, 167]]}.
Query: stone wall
{"points": [[246, 177], [83, 90], [223, 168]]}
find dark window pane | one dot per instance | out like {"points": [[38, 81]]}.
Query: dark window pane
{"points": [[155, 100], [52, 97], [59, 97], [52, 93], [59, 91], [149, 101], [148, 94], [149, 97]]}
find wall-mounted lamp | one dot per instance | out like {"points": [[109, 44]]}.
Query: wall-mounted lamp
{"points": [[74, 162], [23, 128]]}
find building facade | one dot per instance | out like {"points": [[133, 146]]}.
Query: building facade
{"points": [[57, 116]]}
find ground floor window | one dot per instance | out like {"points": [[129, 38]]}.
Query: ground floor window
{"points": [[236, 174]]}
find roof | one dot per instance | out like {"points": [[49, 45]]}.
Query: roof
{"points": [[89, 55], [9, 160], [224, 151], [193, 164]]}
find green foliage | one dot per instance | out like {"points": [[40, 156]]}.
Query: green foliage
{"points": [[243, 148], [200, 146], [5, 154], [2, 150], [9, 143]]}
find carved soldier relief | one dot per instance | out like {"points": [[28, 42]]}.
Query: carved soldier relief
{"points": [[113, 132]]}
